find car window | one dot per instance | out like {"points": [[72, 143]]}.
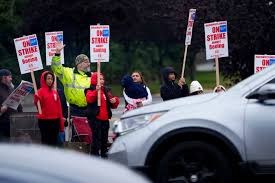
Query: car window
{"points": [[269, 82], [272, 81], [253, 96]]}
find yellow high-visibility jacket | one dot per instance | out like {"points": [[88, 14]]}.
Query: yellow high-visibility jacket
{"points": [[74, 82]]}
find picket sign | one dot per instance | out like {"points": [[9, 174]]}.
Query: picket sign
{"points": [[99, 48], [29, 58], [188, 37], [68, 131], [55, 82], [18, 94], [184, 61], [98, 83], [263, 61], [216, 43], [51, 40], [217, 71], [35, 91]]}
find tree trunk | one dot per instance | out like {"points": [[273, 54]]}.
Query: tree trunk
{"points": [[11, 11]]}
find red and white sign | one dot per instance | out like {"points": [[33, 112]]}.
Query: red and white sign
{"points": [[16, 97], [28, 54], [216, 40], [51, 39], [99, 43], [263, 61], [191, 19]]}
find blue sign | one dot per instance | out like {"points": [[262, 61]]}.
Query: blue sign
{"points": [[193, 16], [59, 37], [223, 28], [105, 33], [33, 42], [271, 61], [28, 89]]}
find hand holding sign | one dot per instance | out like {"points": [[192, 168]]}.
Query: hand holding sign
{"points": [[113, 100], [4, 108], [181, 82], [59, 47], [98, 87]]}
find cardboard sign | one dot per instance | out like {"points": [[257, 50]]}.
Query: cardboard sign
{"points": [[16, 97], [51, 39], [191, 18], [216, 40], [28, 54], [263, 61], [99, 43]]}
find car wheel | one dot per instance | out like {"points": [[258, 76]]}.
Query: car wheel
{"points": [[194, 161]]}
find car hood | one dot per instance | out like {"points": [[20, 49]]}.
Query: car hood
{"points": [[171, 104]]}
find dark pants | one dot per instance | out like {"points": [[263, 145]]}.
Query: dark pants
{"points": [[100, 131], [49, 130], [78, 111], [4, 130]]}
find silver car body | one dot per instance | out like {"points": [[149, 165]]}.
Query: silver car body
{"points": [[246, 123], [41, 164]]}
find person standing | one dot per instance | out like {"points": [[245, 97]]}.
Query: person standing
{"points": [[6, 88], [99, 115], [219, 89], [51, 120], [75, 80], [133, 90], [139, 80], [195, 88], [170, 90]]}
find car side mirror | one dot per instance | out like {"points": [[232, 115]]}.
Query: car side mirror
{"points": [[266, 92]]}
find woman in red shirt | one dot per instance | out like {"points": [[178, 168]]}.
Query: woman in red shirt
{"points": [[51, 120], [99, 115]]}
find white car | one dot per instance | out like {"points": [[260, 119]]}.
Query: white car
{"points": [[204, 138], [40, 164]]}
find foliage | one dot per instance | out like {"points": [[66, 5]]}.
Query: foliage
{"points": [[146, 35]]}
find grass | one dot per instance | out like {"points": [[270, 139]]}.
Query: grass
{"points": [[207, 80]]}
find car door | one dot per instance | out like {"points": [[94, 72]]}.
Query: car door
{"points": [[259, 125]]}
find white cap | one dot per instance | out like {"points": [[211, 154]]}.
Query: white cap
{"points": [[195, 86]]}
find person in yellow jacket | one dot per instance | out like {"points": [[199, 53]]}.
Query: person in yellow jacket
{"points": [[74, 81]]}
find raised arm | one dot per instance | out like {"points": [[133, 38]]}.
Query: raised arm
{"points": [[60, 71]]}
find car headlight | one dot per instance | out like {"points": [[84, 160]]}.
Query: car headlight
{"points": [[126, 125]]}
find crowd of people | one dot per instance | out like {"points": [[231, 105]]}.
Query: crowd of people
{"points": [[81, 89]]}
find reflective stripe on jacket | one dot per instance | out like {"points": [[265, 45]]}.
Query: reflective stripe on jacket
{"points": [[74, 83]]}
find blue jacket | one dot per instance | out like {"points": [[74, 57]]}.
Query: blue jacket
{"points": [[132, 89]]}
